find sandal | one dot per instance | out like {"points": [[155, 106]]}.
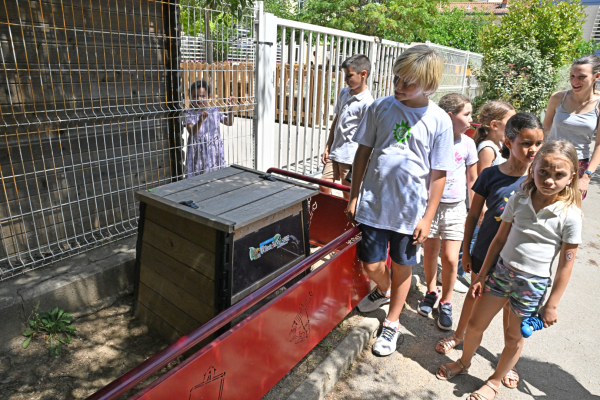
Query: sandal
{"points": [[448, 374], [447, 344], [479, 396], [511, 375]]}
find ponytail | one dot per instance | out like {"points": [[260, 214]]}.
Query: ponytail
{"points": [[492, 111]]}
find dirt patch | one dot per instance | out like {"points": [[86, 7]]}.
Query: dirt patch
{"points": [[593, 262], [108, 344]]}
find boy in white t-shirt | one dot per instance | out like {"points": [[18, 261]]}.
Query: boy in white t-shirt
{"points": [[405, 148], [351, 106], [449, 221]]}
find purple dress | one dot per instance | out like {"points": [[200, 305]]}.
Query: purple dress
{"points": [[205, 150]]}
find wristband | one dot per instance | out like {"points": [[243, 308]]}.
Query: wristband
{"points": [[590, 173]]}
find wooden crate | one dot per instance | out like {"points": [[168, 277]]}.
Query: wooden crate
{"points": [[193, 263]]}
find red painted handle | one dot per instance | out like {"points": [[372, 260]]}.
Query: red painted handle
{"points": [[310, 179]]}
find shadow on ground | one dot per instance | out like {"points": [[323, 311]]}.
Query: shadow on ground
{"points": [[108, 344]]}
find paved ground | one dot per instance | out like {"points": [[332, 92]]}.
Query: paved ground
{"points": [[562, 362]]}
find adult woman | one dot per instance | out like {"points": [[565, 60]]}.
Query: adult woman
{"points": [[573, 115]]}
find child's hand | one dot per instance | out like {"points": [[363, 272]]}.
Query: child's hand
{"points": [[421, 231], [549, 315], [351, 210], [467, 262], [325, 155], [232, 104], [477, 288]]}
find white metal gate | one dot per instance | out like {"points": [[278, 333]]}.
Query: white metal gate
{"points": [[299, 77]]}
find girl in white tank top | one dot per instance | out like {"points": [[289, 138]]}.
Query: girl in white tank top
{"points": [[573, 116]]}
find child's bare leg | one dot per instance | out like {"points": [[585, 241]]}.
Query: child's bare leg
{"points": [[444, 345], [431, 248], [346, 194], [485, 309], [400, 286], [513, 345], [450, 251], [379, 274], [325, 189]]}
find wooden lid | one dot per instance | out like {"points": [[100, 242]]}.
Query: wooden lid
{"points": [[229, 198]]}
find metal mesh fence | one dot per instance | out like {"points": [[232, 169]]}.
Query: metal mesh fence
{"points": [[91, 111]]}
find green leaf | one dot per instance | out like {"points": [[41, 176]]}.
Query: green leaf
{"points": [[27, 342], [28, 332]]}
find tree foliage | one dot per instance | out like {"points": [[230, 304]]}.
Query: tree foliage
{"points": [[555, 27], [400, 20], [456, 28], [517, 74]]}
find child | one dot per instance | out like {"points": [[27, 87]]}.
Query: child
{"points": [[493, 117], [205, 150], [350, 109], [495, 185], [448, 222], [538, 222], [408, 140]]}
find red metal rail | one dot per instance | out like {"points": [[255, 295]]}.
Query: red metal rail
{"points": [[161, 359], [321, 182]]}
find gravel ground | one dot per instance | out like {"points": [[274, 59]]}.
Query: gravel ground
{"points": [[561, 362]]}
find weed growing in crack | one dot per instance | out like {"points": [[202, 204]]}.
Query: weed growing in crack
{"points": [[55, 323]]}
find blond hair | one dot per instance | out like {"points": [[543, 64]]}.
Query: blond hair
{"points": [[420, 65], [570, 194], [492, 111], [453, 102]]}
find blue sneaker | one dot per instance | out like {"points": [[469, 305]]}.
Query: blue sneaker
{"points": [[445, 317], [426, 305]]}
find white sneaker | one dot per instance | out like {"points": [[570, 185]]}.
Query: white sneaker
{"points": [[459, 287], [387, 342], [373, 301]]}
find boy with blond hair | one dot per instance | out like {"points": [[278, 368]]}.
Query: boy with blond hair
{"points": [[350, 109], [405, 145]]}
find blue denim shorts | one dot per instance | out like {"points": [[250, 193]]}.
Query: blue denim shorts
{"points": [[526, 292], [374, 246]]}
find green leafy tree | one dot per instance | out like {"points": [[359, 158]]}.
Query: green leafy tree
{"points": [[400, 20], [281, 8], [518, 74], [456, 28], [555, 27]]}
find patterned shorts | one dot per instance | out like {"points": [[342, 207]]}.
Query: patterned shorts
{"points": [[526, 292]]}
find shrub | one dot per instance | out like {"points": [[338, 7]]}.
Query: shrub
{"points": [[518, 74]]}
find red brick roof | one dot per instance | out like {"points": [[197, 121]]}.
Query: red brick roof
{"points": [[488, 8]]}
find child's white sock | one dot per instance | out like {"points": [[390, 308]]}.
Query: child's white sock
{"points": [[395, 325], [386, 294]]}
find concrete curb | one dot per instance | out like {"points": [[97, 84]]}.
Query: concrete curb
{"points": [[326, 375], [81, 284]]}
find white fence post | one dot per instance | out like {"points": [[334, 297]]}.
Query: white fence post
{"points": [[264, 123], [464, 80]]}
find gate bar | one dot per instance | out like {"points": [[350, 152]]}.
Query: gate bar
{"points": [[138, 374], [310, 179]]}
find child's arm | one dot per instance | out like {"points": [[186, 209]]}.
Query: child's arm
{"points": [[549, 312], [471, 178], [230, 109], [359, 167], [325, 155], [491, 257], [436, 189], [470, 223]]}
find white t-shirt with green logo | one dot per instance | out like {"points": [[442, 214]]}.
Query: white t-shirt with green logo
{"points": [[407, 144]]}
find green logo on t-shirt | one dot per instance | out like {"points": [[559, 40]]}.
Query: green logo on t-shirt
{"points": [[402, 132]]}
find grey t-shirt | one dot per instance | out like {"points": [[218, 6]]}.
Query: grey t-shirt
{"points": [[536, 238], [407, 144], [350, 110]]}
